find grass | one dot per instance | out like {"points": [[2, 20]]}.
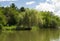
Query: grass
{"points": [[8, 28], [34, 28]]}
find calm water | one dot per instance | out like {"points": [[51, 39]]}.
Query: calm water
{"points": [[41, 35]]}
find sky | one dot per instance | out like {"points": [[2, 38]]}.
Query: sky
{"points": [[41, 5]]}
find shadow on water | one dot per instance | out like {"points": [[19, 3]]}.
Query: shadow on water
{"points": [[41, 35]]}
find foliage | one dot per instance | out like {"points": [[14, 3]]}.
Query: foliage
{"points": [[27, 18]]}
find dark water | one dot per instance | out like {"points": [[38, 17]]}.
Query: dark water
{"points": [[41, 35]]}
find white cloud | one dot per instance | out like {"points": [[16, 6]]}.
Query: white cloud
{"points": [[55, 1], [53, 6], [45, 7], [58, 13], [29, 3]]}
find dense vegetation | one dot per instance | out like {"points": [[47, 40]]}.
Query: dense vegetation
{"points": [[27, 18]]}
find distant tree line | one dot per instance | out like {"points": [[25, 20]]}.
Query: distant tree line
{"points": [[26, 18]]}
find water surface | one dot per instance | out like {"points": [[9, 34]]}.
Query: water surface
{"points": [[40, 35]]}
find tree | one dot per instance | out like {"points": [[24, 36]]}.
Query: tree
{"points": [[49, 20], [12, 5], [22, 9]]}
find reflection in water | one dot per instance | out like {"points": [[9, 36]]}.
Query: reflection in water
{"points": [[41, 35], [44, 35], [55, 40]]}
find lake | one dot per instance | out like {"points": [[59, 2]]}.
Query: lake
{"points": [[39, 35]]}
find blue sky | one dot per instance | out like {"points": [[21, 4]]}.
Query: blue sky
{"points": [[20, 3], [41, 5]]}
